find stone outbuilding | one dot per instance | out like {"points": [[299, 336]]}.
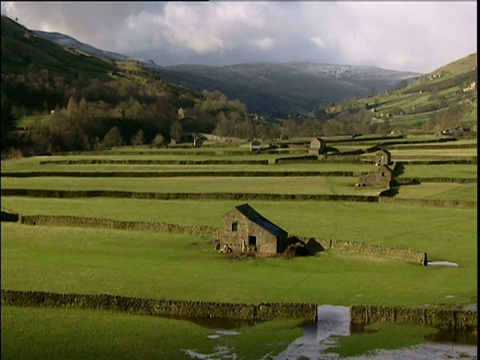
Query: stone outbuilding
{"points": [[317, 146], [198, 141], [243, 229], [382, 177], [383, 157], [255, 145]]}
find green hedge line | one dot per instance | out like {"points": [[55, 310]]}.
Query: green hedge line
{"points": [[175, 174], [158, 307], [152, 162], [439, 318], [183, 196]]}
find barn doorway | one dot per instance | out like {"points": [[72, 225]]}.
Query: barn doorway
{"points": [[252, 241]]}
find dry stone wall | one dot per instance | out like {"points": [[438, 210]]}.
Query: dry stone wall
{"points": [[159, 307], [436, 317]]}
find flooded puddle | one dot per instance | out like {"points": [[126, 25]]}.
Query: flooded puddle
{"points": [[442, 263], [334, 322]]}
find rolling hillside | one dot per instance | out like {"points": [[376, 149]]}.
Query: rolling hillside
{"points": [[393, 100], [23, 50], [442, 99], [275, 89]]}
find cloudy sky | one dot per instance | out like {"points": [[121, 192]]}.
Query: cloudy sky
{"points": [[411, 35]]}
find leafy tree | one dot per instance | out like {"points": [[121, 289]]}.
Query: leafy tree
{"points": [[138, 138], [176, 131], [158, 140], [113, 138], [71, 106]]}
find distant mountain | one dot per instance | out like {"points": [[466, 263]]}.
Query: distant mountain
{"points": [[285, 88], [70, 42], [274, 89], [22, 50]]}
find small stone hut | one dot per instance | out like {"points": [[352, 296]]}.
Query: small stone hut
{"points": [[382, 177], [317, 146], [255, 145], [244, 229], [198, 141], [383, 157]]}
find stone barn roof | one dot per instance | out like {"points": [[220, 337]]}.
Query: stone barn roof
{"points": [[258, 219]]}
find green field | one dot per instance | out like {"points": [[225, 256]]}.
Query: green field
{"points": [[186, 267], [271, 185]]}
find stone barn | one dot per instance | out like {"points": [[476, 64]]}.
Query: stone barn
{"points": [[382, 177], [255, 145], [317, 146], [198, 141], [383, 157], [243, 229]]}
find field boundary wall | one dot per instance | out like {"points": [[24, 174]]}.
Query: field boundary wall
{"points": [[175, 174], [408, 255], [429, 202], [439, 318], [439, 180], [153, 162], [44, 193], [62, 220], [159, 307]]}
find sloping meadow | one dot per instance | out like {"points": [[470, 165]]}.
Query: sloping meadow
{"points": [[314, 199]]}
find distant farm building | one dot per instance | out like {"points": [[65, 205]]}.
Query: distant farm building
{"points": [[382, 177], [255, 145], [244, 230], [181, 113], [471, 87], [383, 157], [198, 141], [317, 146]]}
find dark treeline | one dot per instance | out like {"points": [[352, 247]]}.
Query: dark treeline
{"points": [[85, 114]]}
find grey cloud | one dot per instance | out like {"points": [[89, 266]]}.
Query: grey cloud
{"points": [[416, 36]]}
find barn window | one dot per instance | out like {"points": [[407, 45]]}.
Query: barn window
{"points": [[383, 173], [234, 226]]}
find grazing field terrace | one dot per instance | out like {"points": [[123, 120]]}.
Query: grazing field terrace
{"points": [[173, 265]]}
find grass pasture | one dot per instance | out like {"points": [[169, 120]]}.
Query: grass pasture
{"points": [[186, 267], [275, 185], [142, 264]]}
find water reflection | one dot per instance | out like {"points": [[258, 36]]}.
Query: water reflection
{"points": [[334, 322]]}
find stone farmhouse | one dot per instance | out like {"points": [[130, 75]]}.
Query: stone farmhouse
{"points": [[383, 157], [243, 229], [382, 177], [317, 146]]}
